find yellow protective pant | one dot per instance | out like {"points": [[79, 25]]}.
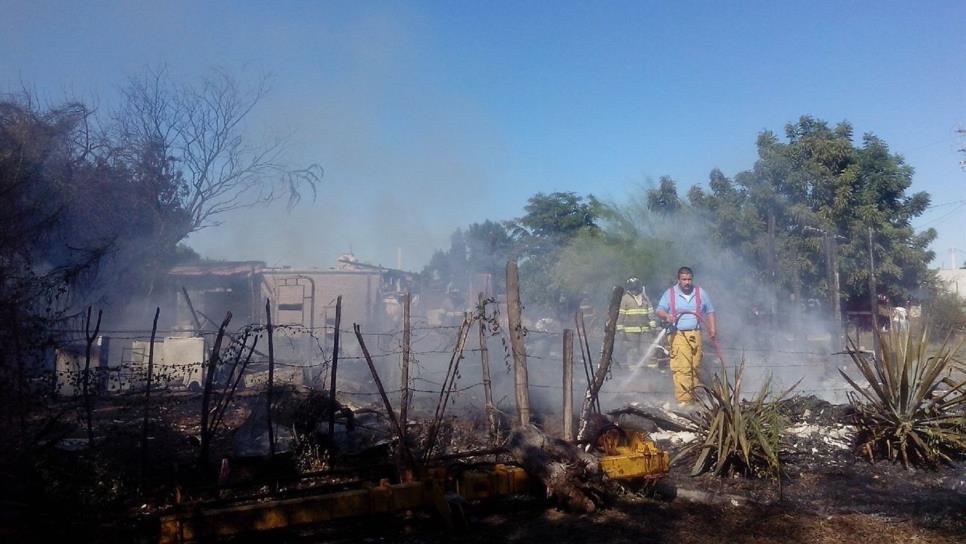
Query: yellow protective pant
{"points": [[685, 362]]}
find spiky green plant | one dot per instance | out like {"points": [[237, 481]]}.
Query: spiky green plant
{"points": [[910, 408], [736, 435]]}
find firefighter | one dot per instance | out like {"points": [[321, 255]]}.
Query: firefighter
{"points": [[636, 323], [688, 309]]}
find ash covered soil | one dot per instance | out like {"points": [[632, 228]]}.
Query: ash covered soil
{"points": [[828, 495]]}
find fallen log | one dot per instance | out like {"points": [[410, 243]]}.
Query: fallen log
{"points": [[571, 476], [661, 419]]}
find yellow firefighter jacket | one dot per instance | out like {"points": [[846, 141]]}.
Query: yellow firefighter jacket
{"points": [[636, 315]]}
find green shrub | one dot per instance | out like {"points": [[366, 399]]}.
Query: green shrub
{"points": [[911, 407]]}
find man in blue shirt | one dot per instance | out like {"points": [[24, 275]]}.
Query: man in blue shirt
{"points": [[689, 309]]}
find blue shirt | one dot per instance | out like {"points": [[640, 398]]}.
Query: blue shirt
{"points": [[686, 303]]}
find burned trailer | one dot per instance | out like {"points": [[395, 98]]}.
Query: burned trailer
{"points": [[203, 293], [302, 302]]}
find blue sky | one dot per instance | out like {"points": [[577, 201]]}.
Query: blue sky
{"points": [[429, 116]]}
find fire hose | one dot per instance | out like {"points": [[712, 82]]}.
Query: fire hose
{"points": [[673, 327]]}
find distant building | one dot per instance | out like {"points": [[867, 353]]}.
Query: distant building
{"points": [[298, 296], [954, 280]]}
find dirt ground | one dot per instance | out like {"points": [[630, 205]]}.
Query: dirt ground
{"points": [[827, 495]]}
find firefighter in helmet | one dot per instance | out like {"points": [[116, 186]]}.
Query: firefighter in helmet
{"points": [[636, 323]]}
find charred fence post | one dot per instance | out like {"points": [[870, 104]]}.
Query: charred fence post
{"points": [[271, 378], [228, 393], [404, 448], [404, 379], [489, 407], [606, 354], [448, 381], [515, 322], [14, 320], [88, 401], [206, 393], [585, 354], [568, 384], [147, 396], [194, 314], [335, 368]]}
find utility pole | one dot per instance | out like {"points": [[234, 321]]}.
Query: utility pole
{"points": [[835, 298], [873, 297], [772, 269]]}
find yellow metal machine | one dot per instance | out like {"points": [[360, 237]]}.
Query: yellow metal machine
{"points": [[633, 457], [637, 457]]}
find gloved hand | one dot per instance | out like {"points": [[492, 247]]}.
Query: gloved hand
{"points": [[671, 328]]}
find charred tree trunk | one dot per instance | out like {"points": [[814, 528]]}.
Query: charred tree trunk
{"points": [[572, 476]]}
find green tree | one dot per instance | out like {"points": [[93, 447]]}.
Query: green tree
{"points": [[664, 199], [552, 221], [815, 195]]}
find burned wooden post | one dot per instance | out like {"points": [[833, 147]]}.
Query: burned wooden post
{"points": [[85, 386], [585, 354], [489, 407], [234, 366], [227, 393], [515, 322], [568, 384], [448, 381], [335, 367], [404, 448], [194, 314], [147, 395], [206, 393], [404, 379], [271, 377], [606, 353], [14, 321]]}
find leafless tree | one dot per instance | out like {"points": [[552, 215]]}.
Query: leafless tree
{"points": [[191, 139]]}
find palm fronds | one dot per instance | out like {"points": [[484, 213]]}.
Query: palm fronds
{"points": [[736, 435], [910, 408]]}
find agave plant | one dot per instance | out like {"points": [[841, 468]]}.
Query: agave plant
{"points": [[736, 435], [910, 408]]}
